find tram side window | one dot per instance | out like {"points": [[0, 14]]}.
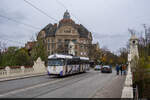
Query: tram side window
{"points": [[84, 62], [55, 62], [81, 62], [72, 62], [69, 62]]}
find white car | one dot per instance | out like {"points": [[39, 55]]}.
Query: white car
{"points": [[97, 67]]}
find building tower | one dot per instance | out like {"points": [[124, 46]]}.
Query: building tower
{"points": [[66, 15], [133, 47]]}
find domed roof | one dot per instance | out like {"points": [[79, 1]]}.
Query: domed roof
{"points": [[133, 37], [66, 19]]}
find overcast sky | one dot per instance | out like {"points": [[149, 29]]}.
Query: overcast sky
{"points": [[108, 20]]}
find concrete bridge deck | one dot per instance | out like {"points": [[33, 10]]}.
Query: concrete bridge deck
{"points": [[92, 84]]}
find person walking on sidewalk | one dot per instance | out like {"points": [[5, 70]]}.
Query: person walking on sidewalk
{"points": [[124, 69], [117, 69], [121, 68]]}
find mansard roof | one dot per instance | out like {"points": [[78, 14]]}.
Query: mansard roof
{"points": [[82, 30], [51, 29]]}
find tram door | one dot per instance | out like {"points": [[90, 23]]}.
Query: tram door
{"points": [[68, 63]]}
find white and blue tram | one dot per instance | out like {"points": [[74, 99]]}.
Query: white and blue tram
{"points": [[62, 65]]}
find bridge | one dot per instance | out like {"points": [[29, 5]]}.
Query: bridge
{"points": [[30, 83], [33, 82], [92, 84]]}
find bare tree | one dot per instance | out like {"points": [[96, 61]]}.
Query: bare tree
{"points": [[34, 37], [3, 46]]}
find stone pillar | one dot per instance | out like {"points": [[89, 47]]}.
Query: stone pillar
{"points": [[8, 70], [22, 69]]}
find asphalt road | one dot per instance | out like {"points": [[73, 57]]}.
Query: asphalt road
{"points": [[83, 85]]}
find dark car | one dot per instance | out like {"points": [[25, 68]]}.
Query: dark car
{"points": [[106, 69]]}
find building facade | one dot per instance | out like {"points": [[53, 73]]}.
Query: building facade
{"points": [[57, 37]]}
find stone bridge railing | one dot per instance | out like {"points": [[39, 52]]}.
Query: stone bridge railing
{"points": [[127, 91], [37, 68]]}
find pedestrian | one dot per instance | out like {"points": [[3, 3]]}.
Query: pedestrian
{"points": [[117, 69], [121, 68], [110, 66], [124, 69]]}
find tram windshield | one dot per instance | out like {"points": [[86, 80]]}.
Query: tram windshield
{"points": [[55, 62]]}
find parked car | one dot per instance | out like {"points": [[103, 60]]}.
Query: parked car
{"points": [[106, 69], [97, 67]]}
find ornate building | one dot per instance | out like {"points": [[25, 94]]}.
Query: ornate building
{"points": [[57, 37]]}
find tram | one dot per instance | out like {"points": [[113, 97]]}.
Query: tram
{"points": [[62, 65]]}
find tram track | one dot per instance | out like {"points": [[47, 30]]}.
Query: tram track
{"points": [[64, 84], [51, 82]]}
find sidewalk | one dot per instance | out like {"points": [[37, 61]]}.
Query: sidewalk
{"points": [[113, 89]]}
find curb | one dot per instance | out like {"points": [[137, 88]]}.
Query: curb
{"points": [[21, 77]]}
